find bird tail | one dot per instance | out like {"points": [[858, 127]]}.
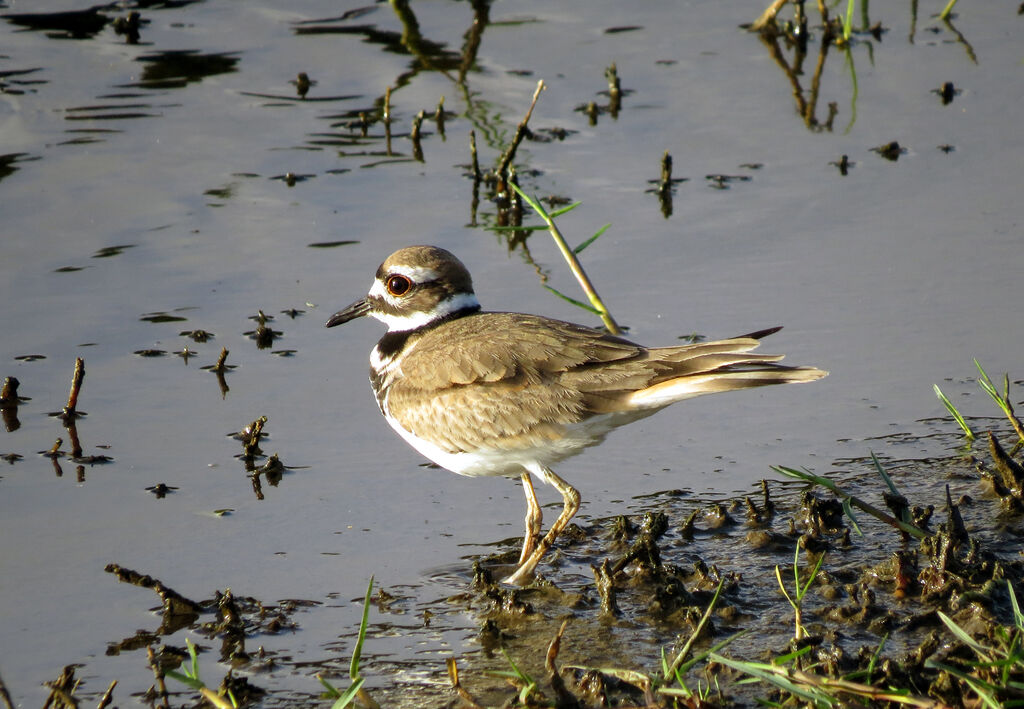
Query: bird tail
{"points": [[714, 367]]}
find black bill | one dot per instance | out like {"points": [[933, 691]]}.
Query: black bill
{"points": [[357, 310]]}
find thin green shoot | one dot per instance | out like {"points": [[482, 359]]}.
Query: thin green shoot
{"points": [[884, 475], [875, 655], [679, 672], [189, 676], [591, 240], [670, 669], [1002, 400], [799, 590], [577, 303], [701, 693], [793, 656], [357, 651], [1018, 617], [892, 487], [772, 675], [848, 511], [523, 227], [848, 21], [527, 684], [342, 699], [822, 691], [808, 476], [866, 674], [990, 676], [570, 258], [986, 691], [947, 11], [954, 413], [564, 210], [347, 697]]}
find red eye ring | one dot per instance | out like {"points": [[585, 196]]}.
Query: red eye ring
{"points": [[398, 285]]}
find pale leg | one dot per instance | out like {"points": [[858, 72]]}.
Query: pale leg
{"points": [[534, 518], [570, 506]]}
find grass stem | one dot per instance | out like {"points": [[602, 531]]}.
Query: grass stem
{"points": [[808, 476], [574, 264]]}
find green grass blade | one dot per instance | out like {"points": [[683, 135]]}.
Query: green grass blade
{"points": [[985, 382], [591, 240], [962, 635], [353, 670], [848, 509], [332, 691], [1018, 618], [812, 577], [790, 656], [564, 210], [983, 689], [681, 655], [349, 696], [535, 204], [574, 264], [776, 676], [877, 654], [848, 21], [885, 476], [575, 302], [954, 413], [808, 476], [524, 227], [185, 679], [194, 658], [518, 673], [683, 668]]}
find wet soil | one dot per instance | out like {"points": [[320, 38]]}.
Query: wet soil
{"points": [[622, 593]]}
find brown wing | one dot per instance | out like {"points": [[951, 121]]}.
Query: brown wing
{"points": [[533, 376], [518, 365]]}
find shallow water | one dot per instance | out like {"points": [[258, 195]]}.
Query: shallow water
{"points": [[893, 277]]}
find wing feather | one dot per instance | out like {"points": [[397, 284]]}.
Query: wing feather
{"points": [[534, 377]]}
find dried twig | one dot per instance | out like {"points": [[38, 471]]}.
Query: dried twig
{"points": [[510, 152], [70, 412], [453, 676]]}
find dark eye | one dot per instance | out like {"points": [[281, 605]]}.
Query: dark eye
{"points": [[398, 285]]}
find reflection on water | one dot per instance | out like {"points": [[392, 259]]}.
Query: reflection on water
{"points": [[9, 163], [176, 69], [74, 24], [780, 35]]}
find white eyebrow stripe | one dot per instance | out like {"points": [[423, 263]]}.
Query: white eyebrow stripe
{"points": [[418, 274]]}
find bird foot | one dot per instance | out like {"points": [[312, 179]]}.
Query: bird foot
{"points": [[521, 576]]}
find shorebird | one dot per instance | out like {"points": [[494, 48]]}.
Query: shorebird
{"points": [[495, 393]]}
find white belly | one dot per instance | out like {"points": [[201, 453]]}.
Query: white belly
{"points": [[503, 461]]}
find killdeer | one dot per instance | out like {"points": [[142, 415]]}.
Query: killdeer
{"points": [[490, 393]]}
